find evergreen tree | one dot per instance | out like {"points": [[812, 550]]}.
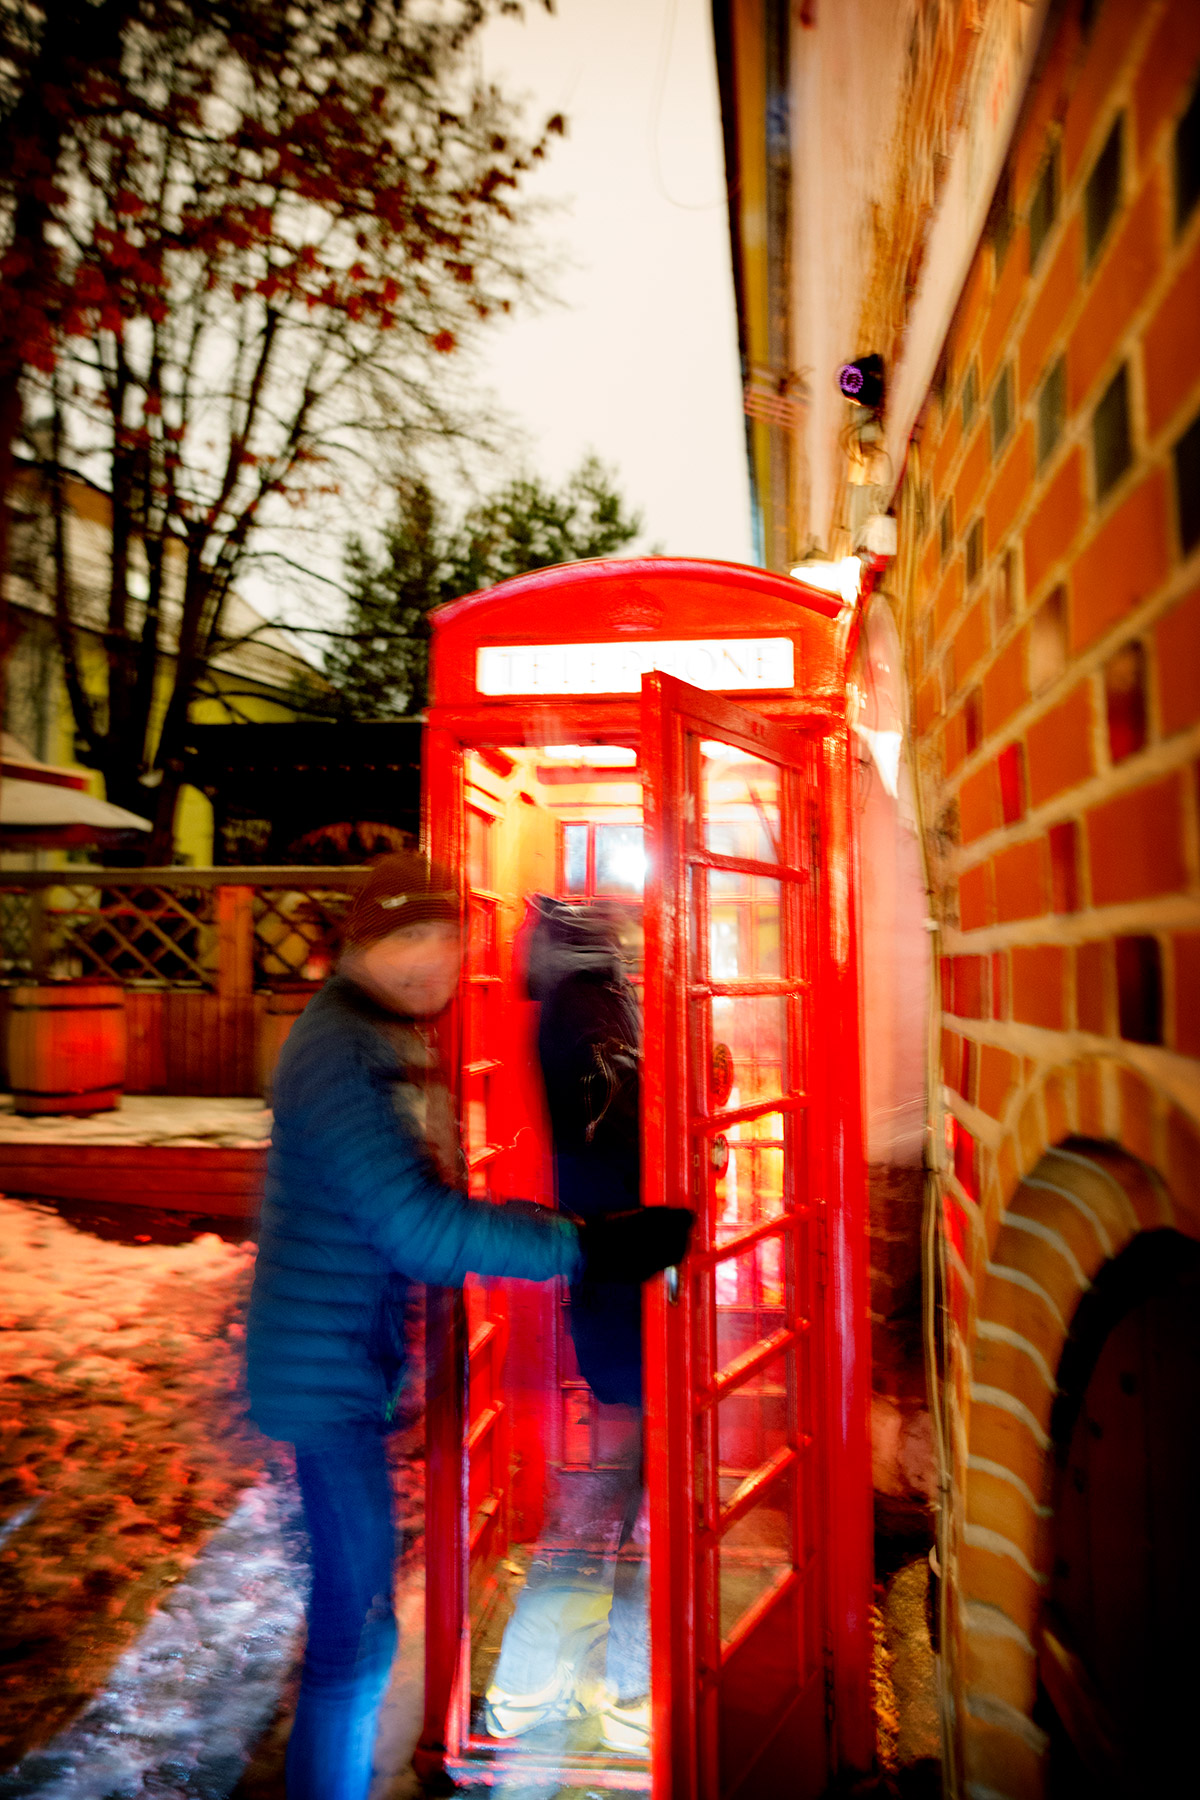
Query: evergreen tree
{"points": [[377, 668]]}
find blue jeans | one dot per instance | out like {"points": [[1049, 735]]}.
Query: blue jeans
{"points": [[347, 1497]]}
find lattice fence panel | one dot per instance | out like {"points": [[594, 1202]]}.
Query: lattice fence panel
{"points": [[16, 935], [131, 934], [297, 933]]}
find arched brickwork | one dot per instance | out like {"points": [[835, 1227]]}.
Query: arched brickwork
{"points": [[1077, 1203]]}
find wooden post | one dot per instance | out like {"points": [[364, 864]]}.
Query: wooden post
{"points": [[235, 942], [235, 990]]}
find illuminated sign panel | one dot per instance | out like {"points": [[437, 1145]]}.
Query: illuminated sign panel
{"points": [[724, 665]]}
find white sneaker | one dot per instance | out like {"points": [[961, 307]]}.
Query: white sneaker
{"points": [[625, 1727], [512, 1715], [578, 1616]]}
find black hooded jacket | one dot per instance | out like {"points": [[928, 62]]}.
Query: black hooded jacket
{"points": [[589, 1035]]}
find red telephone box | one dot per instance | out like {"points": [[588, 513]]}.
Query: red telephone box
{"points": [[667, 737]]}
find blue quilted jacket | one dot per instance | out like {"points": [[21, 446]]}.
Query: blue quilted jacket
{"points": [[353, 1211]]}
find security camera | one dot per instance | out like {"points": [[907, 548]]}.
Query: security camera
{"points": [[862, 381]]}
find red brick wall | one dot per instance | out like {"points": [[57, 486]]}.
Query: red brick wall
{"points": [[1058, 691], [1056, 700]]}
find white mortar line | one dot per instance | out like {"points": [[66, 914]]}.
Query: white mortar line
{"points": [[1081, 1206], [995, 1333], [1126, 918], [1019, 1278], [1106, 1175], [991, 1710], [983, 1393], [983, 1619], [1048, 1235]]}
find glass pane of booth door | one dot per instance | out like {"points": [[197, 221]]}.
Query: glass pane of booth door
{"points": [[555, 1551], [734, 1466]]}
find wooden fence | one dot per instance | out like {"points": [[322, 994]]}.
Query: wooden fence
{"points": [[205, 956]]}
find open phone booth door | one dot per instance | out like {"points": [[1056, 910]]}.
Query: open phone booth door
{"points": [[648, 1513]]}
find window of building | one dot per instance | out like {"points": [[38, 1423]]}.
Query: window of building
{"points": [[602, 860], [1064, 867], [946, 530], [480, 840], [974, 551], [1112, 444], [1187, 161], [1102, 195], [575, 859], [1043, 207], [1125, 701], [1187, 485], [973, 720], [939, 387], [1002, 409], [970, 396], [25, 546], [1139, 989], [1048, 641], [1051, 410], [1004, 592], [1000, 218], [1011, 766]]}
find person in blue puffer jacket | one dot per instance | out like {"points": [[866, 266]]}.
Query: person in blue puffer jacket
{"points": [[364, 1195]]}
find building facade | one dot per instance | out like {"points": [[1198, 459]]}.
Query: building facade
{"points": [[1002, 201]]}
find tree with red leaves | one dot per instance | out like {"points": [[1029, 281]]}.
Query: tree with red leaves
{"points": [[263, 230]]}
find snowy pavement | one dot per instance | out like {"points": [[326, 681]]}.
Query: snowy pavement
{"points": [[153, 1563], [153, 1119], [122, 1423], [185, 1708], [187, 1702]]}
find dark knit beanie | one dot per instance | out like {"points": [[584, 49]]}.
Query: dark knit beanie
{"points": [[401, 890]]}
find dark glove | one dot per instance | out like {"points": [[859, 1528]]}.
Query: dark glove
{"points": [[632, 1246]]}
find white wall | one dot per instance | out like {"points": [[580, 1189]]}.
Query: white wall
{"points": [[847, 75]]}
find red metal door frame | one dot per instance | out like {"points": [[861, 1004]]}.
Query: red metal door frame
{"points": [[446, 1484], [683, 1750], [837, 1003]]}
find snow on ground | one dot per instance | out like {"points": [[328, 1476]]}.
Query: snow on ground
{"points": [[122, 1424], [153, 1562], [178, 1119], [186, 1703]]}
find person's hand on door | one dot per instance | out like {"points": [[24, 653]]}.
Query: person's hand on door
{"points": [[633, 1246]]}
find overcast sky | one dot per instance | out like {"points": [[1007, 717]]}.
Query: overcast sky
{"points": [[638, 361]]}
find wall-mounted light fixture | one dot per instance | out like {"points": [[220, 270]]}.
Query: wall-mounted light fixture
{"points": [[843, 578], [862, 381]]}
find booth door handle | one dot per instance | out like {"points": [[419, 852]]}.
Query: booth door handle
{"points": [[672, 1275]]}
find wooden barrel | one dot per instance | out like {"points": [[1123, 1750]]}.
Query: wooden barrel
{"points": [[66, 1047], [283, 1008]]}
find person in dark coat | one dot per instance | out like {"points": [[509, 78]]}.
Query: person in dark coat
{"points": [[589, 1049], [364, 1195]]}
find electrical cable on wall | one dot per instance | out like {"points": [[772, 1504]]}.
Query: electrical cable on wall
{"points": [[656, 106]]}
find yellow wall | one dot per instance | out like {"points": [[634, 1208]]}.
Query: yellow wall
{"points": [[194, 816]]}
